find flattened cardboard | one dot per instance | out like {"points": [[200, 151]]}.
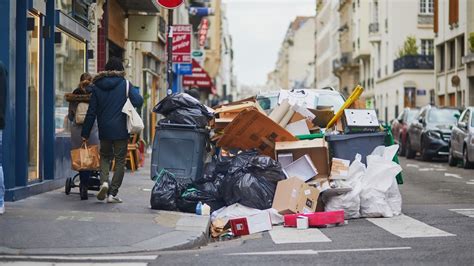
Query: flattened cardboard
{"points": [[317, 150], [298, 128], [322, 117], [252, 129], [251, 224], [339, 168], [294, 196]]}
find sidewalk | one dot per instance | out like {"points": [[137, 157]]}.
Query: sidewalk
{"points": [[56, 223]]}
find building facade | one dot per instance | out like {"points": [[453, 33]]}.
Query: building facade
{"points": [[295, 63], [454, 55], [327, 44]]}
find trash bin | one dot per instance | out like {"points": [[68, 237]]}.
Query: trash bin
{"points": [[180, 149], [347, 146]]}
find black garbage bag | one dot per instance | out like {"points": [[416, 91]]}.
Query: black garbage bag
{"points": [[210, 188], [208, 175], [251, 180], [165, 192], [187, 116], [191, 197]]}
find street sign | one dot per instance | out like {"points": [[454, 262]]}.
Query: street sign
{"points": [[201, 11], [197, 53], [184, 69], [182, 43], [171, 4]]}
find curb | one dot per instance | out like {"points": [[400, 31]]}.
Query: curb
{"points": [[191, 232]]}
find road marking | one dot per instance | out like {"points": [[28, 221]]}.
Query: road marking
{"points": [[413, 165], [440, 169], [453, 175], [426, 169], [466, 212], [37, 263], [316, 252], [286, 235], [407, 227], [470, 183], [79, 258]]}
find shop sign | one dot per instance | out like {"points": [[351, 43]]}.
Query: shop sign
{"points": [[182, 43]]}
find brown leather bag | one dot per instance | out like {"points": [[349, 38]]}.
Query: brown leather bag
{"points": [[86, 158]]}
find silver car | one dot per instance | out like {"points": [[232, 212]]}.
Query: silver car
{"points": [[462, 140]]}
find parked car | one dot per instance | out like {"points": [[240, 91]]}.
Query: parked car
{"points": [[430, 132], [462, 140], [400, 127]]}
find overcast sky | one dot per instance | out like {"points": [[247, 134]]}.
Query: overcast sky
{"points": [[258, 28]]}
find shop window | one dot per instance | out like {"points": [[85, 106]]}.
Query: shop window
{"points": [[70, 64], [33, 41]]}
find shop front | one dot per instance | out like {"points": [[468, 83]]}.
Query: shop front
{"points": [[44, 46]]}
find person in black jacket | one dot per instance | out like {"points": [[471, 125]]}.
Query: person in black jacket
{"points": [[3, 103], [107, 99]]}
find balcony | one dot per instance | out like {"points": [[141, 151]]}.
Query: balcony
{"points": [[414, 62], [425, 19]]}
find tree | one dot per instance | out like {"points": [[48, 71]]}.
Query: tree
{"points": [[409, 47]]}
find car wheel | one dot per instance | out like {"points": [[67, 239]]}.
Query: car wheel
{"points": [[465, 160], [452, 161], [402, 150], [424, 155], [410, 153]]}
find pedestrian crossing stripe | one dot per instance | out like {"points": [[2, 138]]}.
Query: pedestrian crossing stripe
{"points": [[402, 226], [465, 212]]}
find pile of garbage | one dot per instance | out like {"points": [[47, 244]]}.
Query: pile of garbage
{"points": [[298, 164]]}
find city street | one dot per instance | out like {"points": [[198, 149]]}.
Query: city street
{"points": [[437, 228]]}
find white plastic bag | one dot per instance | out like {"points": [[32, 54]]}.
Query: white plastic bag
{"points": [[238, 210], [350, 201], [380, 196], [134, 121]]}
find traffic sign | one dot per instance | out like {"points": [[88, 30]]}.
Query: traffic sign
{"points": [[171, 4]]}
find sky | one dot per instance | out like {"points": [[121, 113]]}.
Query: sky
{"points": [[258, 28]]}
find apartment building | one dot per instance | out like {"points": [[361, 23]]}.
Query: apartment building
{"points": [[327, 45], [402, 77], [295, 65], [454, 60]]}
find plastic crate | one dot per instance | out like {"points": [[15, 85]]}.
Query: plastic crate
{"points": [[180, 149], [347, 146]]}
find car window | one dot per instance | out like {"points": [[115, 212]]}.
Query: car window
{"points": [[465, 117], [443, 116], [326, 99], [411, 115]]}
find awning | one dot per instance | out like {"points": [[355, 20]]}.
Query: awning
{"points": [[199, 79], [139, 5]]}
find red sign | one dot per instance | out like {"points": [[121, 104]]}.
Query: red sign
{"points": [[169, 3], [182, 43], [203, 28], [199, 79]]}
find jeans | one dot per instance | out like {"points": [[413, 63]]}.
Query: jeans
{"points": [[84, 177], [113, 149]]}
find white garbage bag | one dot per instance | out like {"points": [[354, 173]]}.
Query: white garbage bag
{"points": [[380, 196], [350, 201], [238, 210]]}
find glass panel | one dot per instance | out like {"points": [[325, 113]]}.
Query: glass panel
{"points": [[33, 99], [65, 6], [70, 64], [443, 116]]}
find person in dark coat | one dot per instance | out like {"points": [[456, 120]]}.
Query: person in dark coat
{"points": [[3, 103], [81, 94], [107, 99]]}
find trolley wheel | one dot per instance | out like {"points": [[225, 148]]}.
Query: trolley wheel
{"points": [[68, 186]]}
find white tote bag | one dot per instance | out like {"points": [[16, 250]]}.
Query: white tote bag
{"points": [[134, 121]]}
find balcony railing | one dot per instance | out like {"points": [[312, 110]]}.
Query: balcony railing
{"points": [[413, 62], [374, 27]]}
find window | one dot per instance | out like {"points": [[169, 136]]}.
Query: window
{"points": [[460, 42], [375, 17], [427, 47], [441, 58], [70, 64], [426, 6], [452, 54], [432, 97]]}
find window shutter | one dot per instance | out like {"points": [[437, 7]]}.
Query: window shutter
{"points": [[453, 11]]}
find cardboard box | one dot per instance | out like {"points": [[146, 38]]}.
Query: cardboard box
{"points": [[298, 128], [322, 117], [285, 159], [252, 129], [303, 168], [294, 196], [339, 168], [251, 224], [316, 149]]}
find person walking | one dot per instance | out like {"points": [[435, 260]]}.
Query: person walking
{"points": [[3, 103], [107, 99], [81, 95]]}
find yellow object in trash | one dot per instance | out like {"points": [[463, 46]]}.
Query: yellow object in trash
{"points": [[354, 96]]}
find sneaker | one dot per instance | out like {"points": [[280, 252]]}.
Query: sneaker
{"points": [[113, 199], [2, 209], [103, 191]]}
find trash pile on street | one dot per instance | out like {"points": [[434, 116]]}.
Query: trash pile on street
{"points": [[298, 164]]}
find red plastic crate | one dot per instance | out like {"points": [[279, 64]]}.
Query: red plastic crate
{"points": [[316, 219]]}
